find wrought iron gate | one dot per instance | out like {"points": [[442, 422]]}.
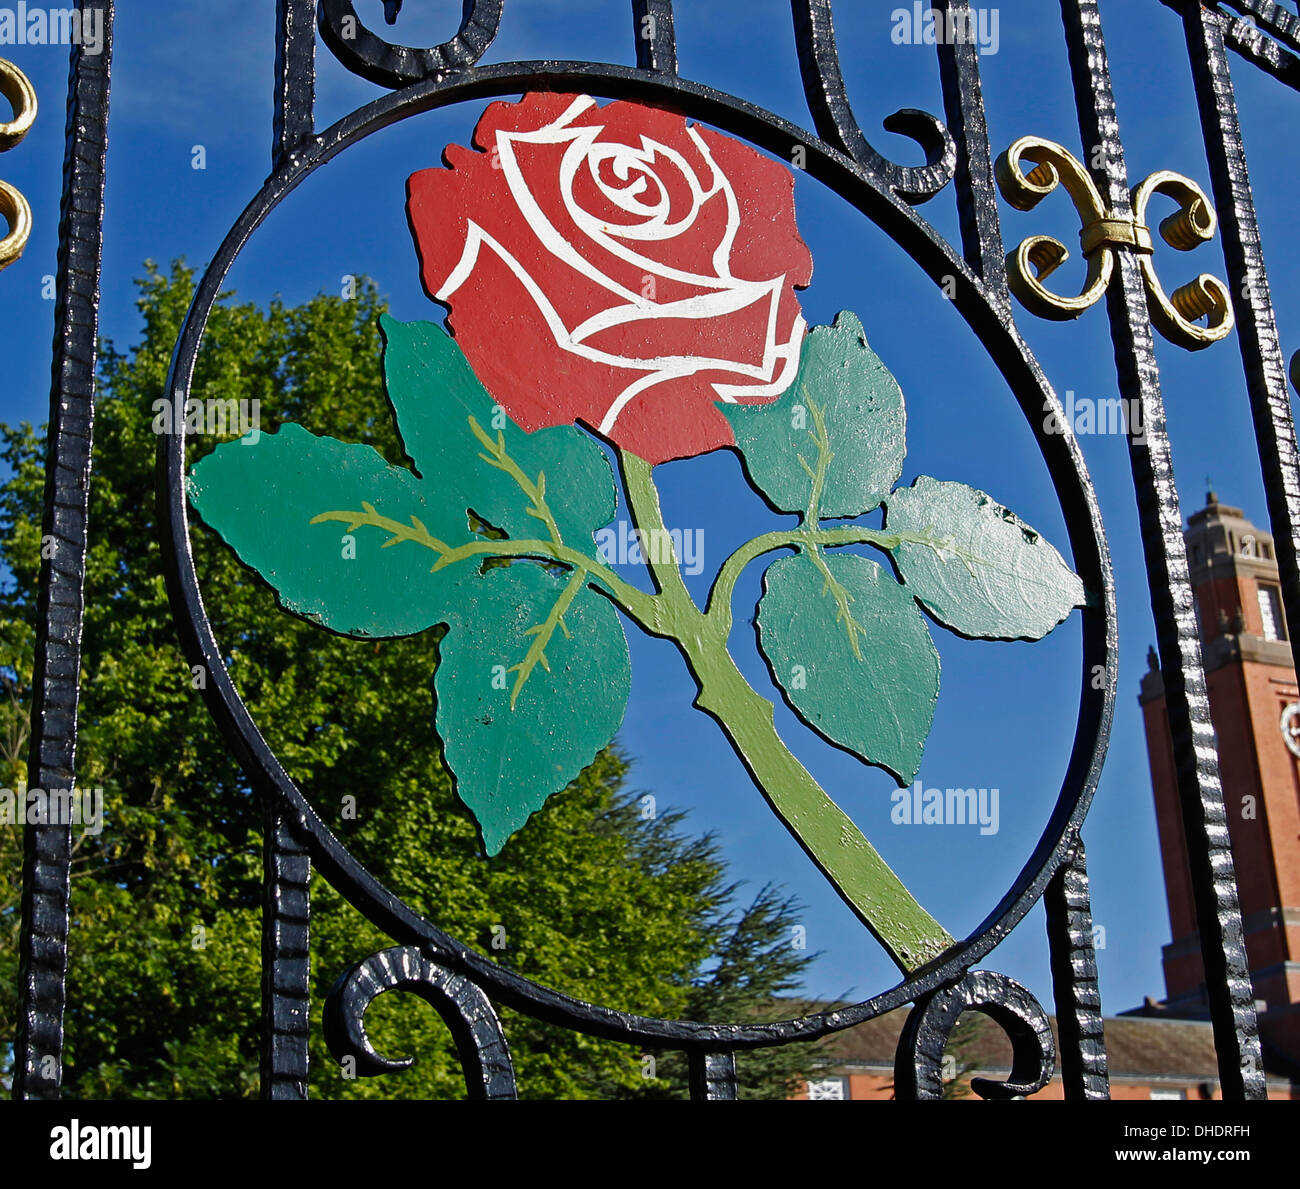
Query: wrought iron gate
{"points": [[464, 985]]}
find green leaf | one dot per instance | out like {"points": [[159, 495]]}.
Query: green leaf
{"points": [[460, 439], [990, 575], [836, 438], [261, 494], [852, 655], [351, 543], [516, 727]]}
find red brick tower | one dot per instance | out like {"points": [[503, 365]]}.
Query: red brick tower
{"points": [[1255, 709]]}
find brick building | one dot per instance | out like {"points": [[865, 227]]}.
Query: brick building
{"points": [[1148, 1057], [1165, 1049], [1255, 710]]}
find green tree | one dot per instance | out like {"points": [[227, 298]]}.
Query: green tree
{"points": [[594, 896]]}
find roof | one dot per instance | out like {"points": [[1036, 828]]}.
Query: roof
{"points": [[1138, 1048]]}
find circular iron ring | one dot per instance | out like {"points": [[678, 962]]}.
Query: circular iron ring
{"points": [[1010, 354]]}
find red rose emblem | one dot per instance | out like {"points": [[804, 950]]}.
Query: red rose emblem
{"points": [[615, 266]]}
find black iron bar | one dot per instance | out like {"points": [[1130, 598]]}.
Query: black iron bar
{"points": [[1214, 885], [52, 759], [713, 1076], [1263, 51], [1084, 1073], [1271, 18], [963, 106], [295, 77], [286, 863], [656, 38], [1257, 334], [286, 958]]}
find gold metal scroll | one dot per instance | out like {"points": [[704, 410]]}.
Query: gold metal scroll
{"points": [[1175, 316], [17, 88]]}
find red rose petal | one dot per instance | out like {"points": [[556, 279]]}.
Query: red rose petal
{"points": [[572, 266]]}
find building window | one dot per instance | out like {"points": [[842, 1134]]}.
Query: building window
{"points": [[1270, 611], [1163, 1095], [825, 1088]]}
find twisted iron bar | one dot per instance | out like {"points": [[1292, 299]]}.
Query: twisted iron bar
{"points": [[1209, 846], [1084, 1068], [656, 36], [52, 759], [286, 956], [1270, 18]]}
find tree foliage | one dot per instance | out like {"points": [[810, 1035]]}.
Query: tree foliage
{"points": [[595, 896]]}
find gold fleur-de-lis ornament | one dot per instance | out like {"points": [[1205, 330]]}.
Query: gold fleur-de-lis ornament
{"points": [[1176, 316], [17, 88]]}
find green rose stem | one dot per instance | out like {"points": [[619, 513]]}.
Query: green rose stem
{"points": [[854, 867], [864, 880]]}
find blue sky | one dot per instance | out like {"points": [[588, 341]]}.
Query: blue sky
{"points": [[188, 75]]}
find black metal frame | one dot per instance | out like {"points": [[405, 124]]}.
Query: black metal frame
{"points": [[464, 985], [47, 849]]}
